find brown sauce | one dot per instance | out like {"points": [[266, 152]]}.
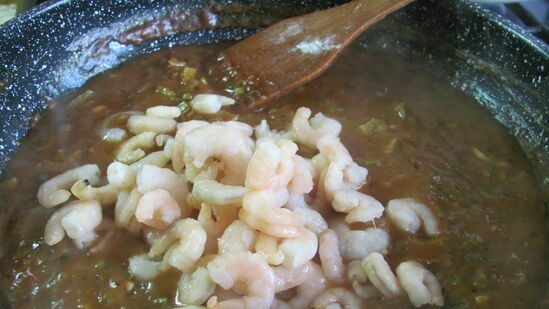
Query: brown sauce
{"points": [[430, 142]]}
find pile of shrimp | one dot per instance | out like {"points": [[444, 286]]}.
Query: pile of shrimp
{"points": [[248, 221]]}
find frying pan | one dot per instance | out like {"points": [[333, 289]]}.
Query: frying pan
{"points": [[58, 45]]}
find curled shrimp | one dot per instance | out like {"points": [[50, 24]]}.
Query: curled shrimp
{"points": [[262, 131], [287, 278], [104, 195], [300, 249], [215, 193], [310, 289], [357, 244], [341, 172], [77, 219], [381, 276], [132, 149], [302, 181], [309, 131], [359, 281], [120, 175], [267, 246], [178, 148], [155, 158], [330, 258], [246, 273], [223, 142], [348, 177], [408, 214], [262, 204], [271, 166], [359, 207], [308, 217], [138, 124], [261, 212], [158, 209], [215, 220], [143, 267], [151, 177], [195, 288], [182, 244], [124, 210], [420, 284], [209, 103], [337, 297], [54, 191], [162, 111], [238, 237]]}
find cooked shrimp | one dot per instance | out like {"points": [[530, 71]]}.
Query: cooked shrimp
{"points": [[143, 267], [120, 175], [209, 103], [360, 207], [308, 217], [105, 195], [262, 205], [408, 214], [132, 149], [381, 276], [213, 192], [195, 288], [287, 278], [151, 177], [357, 244], [336, 177], [215, 219], [224, 143], [359, 281], [178, 149], [261, 210], [330, 258], [138, 124], [310, 289], [156, 158], [337, 298], [162, 111], [77, 219], [238, 237], [184, 254], [267, 246], [124, 209], [309, 131], [271, 165], [244, 128], [302, 181], [55, 191], [247, 273], [276, 230], [420, 284], [334, 151], [300, 249], [262, 130], [158, 209]]}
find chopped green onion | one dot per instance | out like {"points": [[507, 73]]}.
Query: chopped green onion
{"points": [[166, 91]]}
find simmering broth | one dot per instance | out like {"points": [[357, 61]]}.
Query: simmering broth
{"points": [[427, 141]]}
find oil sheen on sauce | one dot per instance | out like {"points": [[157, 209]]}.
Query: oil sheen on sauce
{"points": [[418, 137]]}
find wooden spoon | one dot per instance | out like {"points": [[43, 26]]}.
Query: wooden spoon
{"points": [[292, 52]]}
